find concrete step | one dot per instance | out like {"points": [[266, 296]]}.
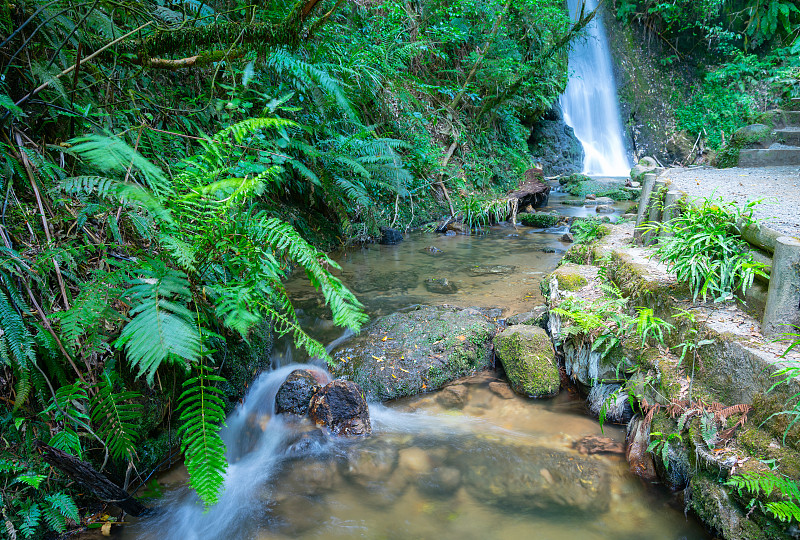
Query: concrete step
{"points": [[779, 119], [788, 135], [768, 157]]}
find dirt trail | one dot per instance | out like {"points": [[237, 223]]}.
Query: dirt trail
{"points": [[778, 187]]}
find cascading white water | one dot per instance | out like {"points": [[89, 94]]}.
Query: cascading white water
{"points": [[254, 452], [590, 101]]}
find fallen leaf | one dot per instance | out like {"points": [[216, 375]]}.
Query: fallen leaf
{"points": [[105, 530]]}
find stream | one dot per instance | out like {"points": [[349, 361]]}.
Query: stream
{"points": [[428, 470]]}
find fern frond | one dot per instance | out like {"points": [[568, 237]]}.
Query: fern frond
{"points": [[58, 509], [113, 155], [116, 417], [201, 418], [161, 328], [31, 516]]}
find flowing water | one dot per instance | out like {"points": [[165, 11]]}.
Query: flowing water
{"points": [[428, 471], [590, 101]]}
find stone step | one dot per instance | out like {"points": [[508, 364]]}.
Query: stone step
{"points": [[788, 135], [780, 119], [768, 157]]}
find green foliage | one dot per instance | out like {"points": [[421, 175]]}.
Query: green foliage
{"points": [[660, 444], [586, 231], [539, 220], [480, 212], [788, 375], [648, 326], [116, 415], [706, 250], [201, 417], [767, 484]]}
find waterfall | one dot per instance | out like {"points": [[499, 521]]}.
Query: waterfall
{"points": [[590, 101]]}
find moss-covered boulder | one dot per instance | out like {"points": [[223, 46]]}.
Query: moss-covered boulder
{"points": [[416, 351], [540, 220], [526, 353], [581, 185], [645, 165]]}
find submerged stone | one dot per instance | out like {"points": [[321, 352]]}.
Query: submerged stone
{"points": [[440, 286], [390, 236], [526, 353], [416, 351], [453, 397], [491, 269], [533, 478]]}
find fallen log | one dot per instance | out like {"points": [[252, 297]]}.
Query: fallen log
{"points": [[96, 482]]}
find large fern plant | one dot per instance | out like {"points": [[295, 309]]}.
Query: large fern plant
{"points": [[219, 261]]}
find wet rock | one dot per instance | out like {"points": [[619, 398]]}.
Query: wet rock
{"points": [[414, 460], [441, 481], [533, 478], [294, 515], [552, 250], [752, 136], [501, 389], [306, 443], [458, 227], [491, 269], [592, 444], [605, 209], [591, 196], [296, 391], [390, 236], [639, 459], [309, 476], [370, 464], [440, 286], [385, 281], [568, 238], [526, 353], [604, 200], [540, 220], [453, 396], [415, 351], [612, 401], [554, 143], [340, 406], [432, 250], [535, 317]]}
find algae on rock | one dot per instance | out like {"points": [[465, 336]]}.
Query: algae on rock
{"points": [[416, 351], [529, 361]]}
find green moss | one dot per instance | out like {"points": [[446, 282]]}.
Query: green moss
{"points": [[579, 254], [570, 282], [539, 220], [527, 357]]}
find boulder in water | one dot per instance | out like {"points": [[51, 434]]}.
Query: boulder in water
{"points": [[440, 286], [491, 269], [441, 481], [416, 351], [390, 236], [605, 209], [340, 406], [533, 478], [296, 391], [526, 353], [453, 396], [501, 390]]}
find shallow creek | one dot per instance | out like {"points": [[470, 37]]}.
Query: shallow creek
{"points": [[428, 471]]}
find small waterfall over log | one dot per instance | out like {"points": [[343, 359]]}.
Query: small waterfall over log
{"points": [[590, 101]]}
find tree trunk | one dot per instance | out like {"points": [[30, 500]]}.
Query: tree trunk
{"points": [[83, 473]]}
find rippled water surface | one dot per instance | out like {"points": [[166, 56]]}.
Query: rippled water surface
{"points": [[491, 466]]}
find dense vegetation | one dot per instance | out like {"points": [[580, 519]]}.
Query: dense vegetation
{"points": [[167, 164], [741, 58]]}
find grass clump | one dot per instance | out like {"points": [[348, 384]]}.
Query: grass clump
{"points": [[539, 220]]}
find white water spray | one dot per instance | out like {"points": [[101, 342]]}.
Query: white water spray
{"points": [[590, 101]]}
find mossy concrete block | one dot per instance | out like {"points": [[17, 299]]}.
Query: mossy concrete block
{"points": [[526, 353], [569, 278]]}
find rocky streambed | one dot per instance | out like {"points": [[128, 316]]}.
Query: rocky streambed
{"points": [[473, 433]]}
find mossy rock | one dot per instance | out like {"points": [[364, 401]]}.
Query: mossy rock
{"points": [[526, 353], [569, 281], [752, 136], [416, 351], [539, 220], [581, 185]]}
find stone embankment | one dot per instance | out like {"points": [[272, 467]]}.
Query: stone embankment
{"points": [[713, 407]]}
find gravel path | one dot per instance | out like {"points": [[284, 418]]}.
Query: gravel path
{"points": [[779, 187]]}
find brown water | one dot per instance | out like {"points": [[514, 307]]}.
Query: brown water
{"points": [[494, 468]]}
